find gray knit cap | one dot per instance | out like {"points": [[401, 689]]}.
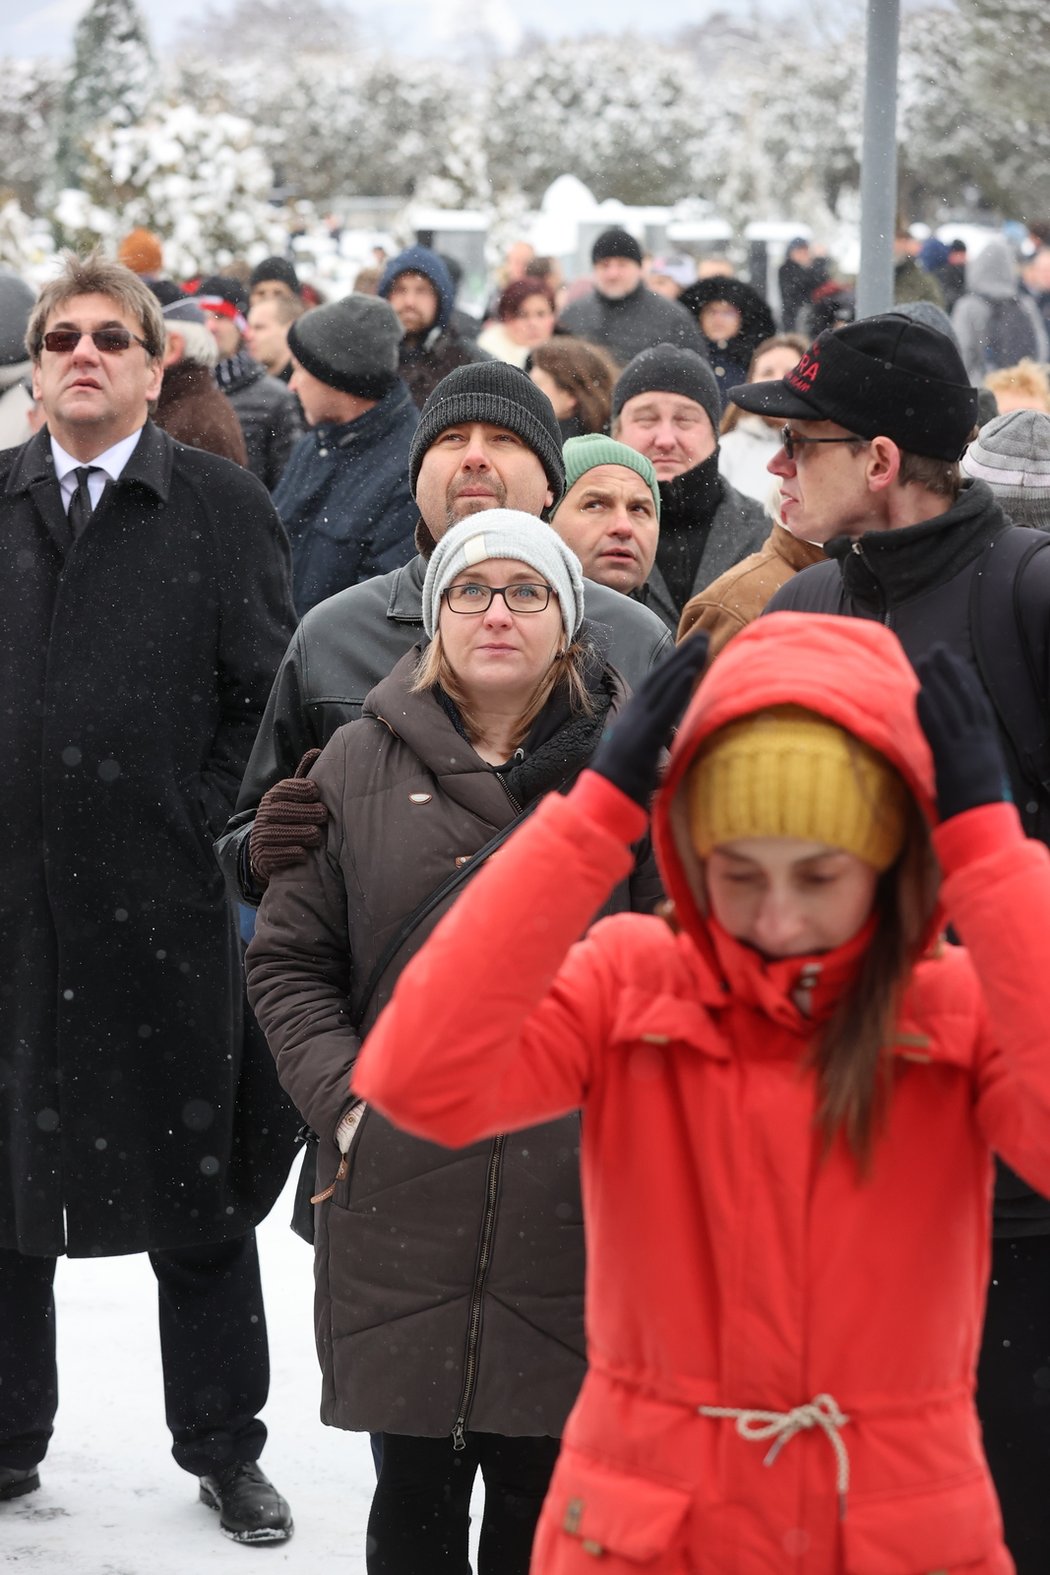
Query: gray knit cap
{"points": [[500, 395], [352, 345], [1012, 453], [505, 533]]}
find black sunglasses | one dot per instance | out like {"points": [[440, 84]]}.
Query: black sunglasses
{"points": [[111, 341], [791, 440]]}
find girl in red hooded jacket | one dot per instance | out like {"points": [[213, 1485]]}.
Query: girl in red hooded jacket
{"points": [[790, 1102]]}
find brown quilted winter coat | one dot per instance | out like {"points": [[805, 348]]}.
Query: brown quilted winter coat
{"points": [[449, 1285]]}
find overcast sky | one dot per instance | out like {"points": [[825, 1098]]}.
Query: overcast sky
{"points": [[46, 26]]}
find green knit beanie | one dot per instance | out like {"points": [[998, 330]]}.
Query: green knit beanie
{"points": [[584, 453]]}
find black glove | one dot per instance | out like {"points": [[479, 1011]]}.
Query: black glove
{"points": [[629, 754], [287, 822], [960, 725]]}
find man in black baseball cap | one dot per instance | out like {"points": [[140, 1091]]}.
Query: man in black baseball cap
{"points": [[876, 417], [622, 314]]}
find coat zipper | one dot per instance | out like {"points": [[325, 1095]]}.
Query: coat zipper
{"points": [[488, 1226], [859, 550]]}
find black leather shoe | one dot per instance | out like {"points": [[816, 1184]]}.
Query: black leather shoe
{"points": [[250, 1507], [13, 1482]]}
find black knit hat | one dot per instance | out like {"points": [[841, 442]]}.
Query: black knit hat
{"points": [[666, 369], [616, 243], [884, 376], [278, 268], [501, 395], [351, 345]]}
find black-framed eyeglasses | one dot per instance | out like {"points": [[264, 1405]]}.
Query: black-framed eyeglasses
{"points": [[523, 597], [791, 440], [111, 341]]}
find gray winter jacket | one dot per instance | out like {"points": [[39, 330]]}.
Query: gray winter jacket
{"points": [[991, 276], [635, 323]]}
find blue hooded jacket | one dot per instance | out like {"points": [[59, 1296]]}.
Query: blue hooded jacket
{"points": [[420, 259]]}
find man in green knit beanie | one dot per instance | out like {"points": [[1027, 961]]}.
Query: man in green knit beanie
{"points": [[610, 514]]}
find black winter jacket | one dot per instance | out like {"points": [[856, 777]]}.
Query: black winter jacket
{"points": [[269, 413], [134, 667], [917, 581], [736, 527]]}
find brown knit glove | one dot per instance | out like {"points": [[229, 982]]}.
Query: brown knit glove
{"points": [[287, 822]]}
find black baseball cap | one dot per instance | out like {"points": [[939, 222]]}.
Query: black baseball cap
{"points": [[884, 376]]}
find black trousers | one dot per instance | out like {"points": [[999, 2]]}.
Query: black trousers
{"points": [[213, 1352], [1013, 1395], [420, 1516]]}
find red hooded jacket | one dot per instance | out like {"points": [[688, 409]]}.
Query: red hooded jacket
{"points": [[782, 1350]]}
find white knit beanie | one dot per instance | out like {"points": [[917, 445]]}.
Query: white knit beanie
{"points": [[505, 533], [1012, 453]]}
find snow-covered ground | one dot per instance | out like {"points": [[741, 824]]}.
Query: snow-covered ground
{"points": [[113, 1502]]}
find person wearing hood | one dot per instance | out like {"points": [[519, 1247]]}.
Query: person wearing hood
{"points": [[666, 405], [790, 1099], [996, 323], [620, 314], [733, 320], [419, 287]]}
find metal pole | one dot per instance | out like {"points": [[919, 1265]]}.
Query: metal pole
{"points": [[878, 168]]}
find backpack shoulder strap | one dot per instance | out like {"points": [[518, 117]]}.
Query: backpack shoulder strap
{"points": [[1013, 674]]}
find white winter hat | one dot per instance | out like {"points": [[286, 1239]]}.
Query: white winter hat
{"points": [[505, 533]]}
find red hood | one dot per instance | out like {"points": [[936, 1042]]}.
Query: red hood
{"points": [[850, 670]]}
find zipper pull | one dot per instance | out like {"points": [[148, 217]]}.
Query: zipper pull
{"points": [[458, 1441]]}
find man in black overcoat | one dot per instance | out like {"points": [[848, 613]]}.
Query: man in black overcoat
{"points": [[145, 608]]}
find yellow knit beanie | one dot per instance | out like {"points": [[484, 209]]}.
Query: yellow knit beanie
{"points": [[787, 772]]}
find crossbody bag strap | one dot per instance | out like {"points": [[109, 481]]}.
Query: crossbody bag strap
{"points": [[427, 906]]}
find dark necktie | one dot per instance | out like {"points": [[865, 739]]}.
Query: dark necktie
{"points": [[80, 509]]}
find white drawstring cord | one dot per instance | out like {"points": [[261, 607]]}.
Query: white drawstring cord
{"points": [[781, 1427]]}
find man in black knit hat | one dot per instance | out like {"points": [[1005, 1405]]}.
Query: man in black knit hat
{"points": [[621, 314], [666, 405], [344, 496], [487, 438]]}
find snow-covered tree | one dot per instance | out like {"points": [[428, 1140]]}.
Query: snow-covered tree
{"points": [[113, 77], [29, 95], [199, 181], [622, 113]]}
